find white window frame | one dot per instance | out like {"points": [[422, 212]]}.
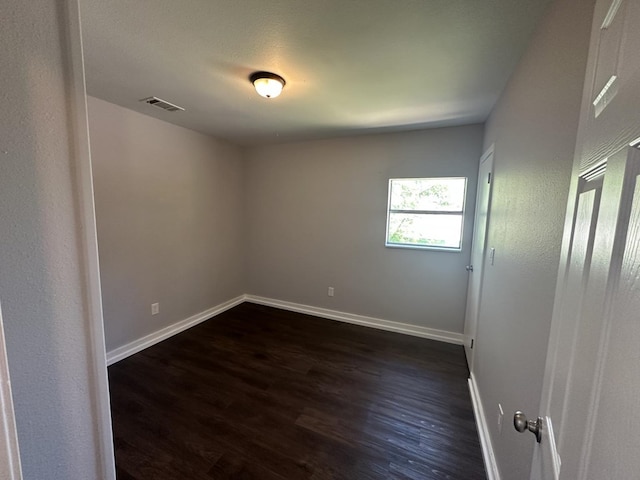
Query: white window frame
{"points": [[426, 212]]}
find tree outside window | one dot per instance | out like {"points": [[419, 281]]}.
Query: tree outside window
{"points": [[426, 212]]}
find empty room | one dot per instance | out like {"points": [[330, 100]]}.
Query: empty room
{"points": [[319, 240]]}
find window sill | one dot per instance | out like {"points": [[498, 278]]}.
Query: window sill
{"points": [[423, 247]]}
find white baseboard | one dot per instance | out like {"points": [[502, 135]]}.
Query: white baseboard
{"points": [[407, 329], [138, 345], [483, 432], [417, 331]]}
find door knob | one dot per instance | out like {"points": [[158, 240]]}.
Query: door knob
{"points": [[469, 268], [521, 424]]}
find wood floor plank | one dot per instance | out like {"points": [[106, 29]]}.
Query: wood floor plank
{"points": [[266, 394]]}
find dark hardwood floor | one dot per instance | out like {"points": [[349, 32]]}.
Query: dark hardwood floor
{"points": [[265, 394]]}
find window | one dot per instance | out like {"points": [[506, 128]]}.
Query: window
{"points": [[426, 212]]}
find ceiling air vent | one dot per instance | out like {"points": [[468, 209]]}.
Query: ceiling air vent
{"points": [[163, 104]]}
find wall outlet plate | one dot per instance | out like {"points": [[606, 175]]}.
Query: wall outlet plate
{"points": [[330, 291], [155, 308]]}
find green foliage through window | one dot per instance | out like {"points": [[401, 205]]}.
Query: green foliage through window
{"points": [[426, 212]]}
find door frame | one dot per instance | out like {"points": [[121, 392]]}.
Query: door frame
{"points": [[83, 189], [9, 450]]}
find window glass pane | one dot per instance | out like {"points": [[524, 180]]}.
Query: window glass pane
{"points": [[443, 231], [428, 194]]}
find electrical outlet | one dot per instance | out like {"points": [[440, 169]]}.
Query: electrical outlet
{"points": [[330, 291], [155, 308], [500, 418]]}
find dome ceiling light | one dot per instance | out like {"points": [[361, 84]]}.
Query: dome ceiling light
{"points": [[267, 84]]}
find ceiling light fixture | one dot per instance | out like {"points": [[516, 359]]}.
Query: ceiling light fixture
{"points": [[267, 84]]}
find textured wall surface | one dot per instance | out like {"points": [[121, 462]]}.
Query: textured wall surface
{"points": [[534, 130], [316, 217], [42, 275], [169, 212]]}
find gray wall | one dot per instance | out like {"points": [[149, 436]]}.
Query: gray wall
{"points": [[169, 214], [534, 128], [43, 265], [316, 213]]}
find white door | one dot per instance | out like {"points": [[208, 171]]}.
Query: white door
{"points": [[478, 254], [590, 423], [9, 456]]}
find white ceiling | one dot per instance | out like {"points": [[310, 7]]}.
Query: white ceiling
{"points": [[351, 66]]}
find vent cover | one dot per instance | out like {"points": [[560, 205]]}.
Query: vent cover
{"points": [[163, 104]]}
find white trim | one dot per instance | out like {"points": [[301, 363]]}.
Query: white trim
{"points": [[136, 346], [9, 453], [92, 293], [407, 329], [553, 448], [483, 432]]}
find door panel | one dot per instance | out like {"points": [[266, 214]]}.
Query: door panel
{"points": [[586, 382], [478, 254], [603, 133], [590, 337], [570, 309], [573, 306], [611, 450]]}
